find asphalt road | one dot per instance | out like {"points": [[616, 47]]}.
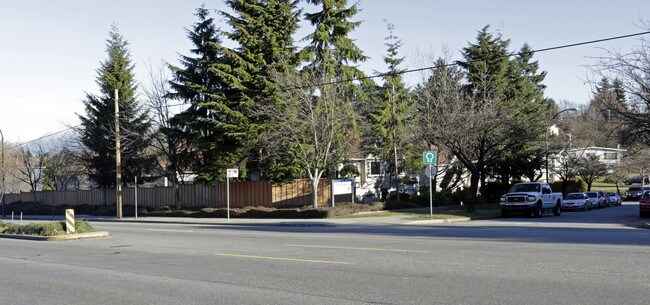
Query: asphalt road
{"points": [[597, 257]]}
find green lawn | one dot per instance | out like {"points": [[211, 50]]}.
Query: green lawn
{"points": [[450, 214], [424, 213], [608, 187]]}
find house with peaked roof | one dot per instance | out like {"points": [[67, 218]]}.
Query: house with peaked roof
{"points": [[606, 155]]}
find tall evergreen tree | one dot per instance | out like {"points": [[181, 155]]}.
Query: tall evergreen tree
{"points": [[97, 126], [513, 84], [214, 123], [331, 51], [264, 32], [525, 91], [486, 62], [394, 110]]}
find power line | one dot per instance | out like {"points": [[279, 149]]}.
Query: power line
{"points": [[383, 75], [456, 63]]}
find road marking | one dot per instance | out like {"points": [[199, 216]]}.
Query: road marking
{"points": [[285, 259], [169, 230], [357, 248]]}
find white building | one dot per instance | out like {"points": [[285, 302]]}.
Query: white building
{"points": [[608, 156]]}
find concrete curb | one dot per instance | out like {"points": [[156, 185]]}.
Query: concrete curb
{"points": [[282, 222], [79, 236], [439, 221]]}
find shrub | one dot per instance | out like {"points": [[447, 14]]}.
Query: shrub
{"points": [[267, 212], [402, 196], [493, 191], [343, 209], [398, 205], [47, 229], [573, 185], [445, 198]]}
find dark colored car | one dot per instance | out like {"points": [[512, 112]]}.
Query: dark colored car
{"points": [[634, 193], [637, 180]]}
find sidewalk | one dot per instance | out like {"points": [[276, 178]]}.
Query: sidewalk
{"points": [[385, 220]]}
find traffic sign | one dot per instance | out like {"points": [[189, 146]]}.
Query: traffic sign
{"points": [[430, 171], [430, 157]]}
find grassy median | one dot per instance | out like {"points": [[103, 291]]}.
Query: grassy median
{"points": [[44, 228]]}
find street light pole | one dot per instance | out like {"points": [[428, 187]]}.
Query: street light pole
{"points": [[548, 125]]}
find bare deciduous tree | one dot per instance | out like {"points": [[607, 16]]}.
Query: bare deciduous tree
{"points": [[63, 169], [590, 168], [632, 68], [170, 146], [312, 127], [473, 127], [567, 168], [31, 167]]}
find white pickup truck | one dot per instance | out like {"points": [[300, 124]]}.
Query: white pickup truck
{"points": [[531, 198]]}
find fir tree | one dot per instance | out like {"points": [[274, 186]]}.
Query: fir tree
{"points": [[331, 51], [214, 123], [97, 126], [513, 83], [486, 62], [264, 32], [394, 110]]}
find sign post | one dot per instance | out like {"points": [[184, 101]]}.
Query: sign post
{"points": [[430, 158], [135, 192], [230, 173]]}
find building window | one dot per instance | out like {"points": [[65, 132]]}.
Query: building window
{"points": [[610, 156], [375, 168]]}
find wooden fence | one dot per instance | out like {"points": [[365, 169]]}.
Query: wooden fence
{"points": [[242, 194]]}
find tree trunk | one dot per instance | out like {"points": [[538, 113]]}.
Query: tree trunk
{"points": [[177, 195], [505, 180], [314, 187], [483, 189], [473, 189], [104, 196]]}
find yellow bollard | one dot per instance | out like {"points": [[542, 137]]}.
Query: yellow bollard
{"points": [[69, 221]]}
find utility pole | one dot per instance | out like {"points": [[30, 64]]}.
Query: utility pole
{"points": [[118, 159]]}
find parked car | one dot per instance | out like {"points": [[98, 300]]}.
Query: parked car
{"points": [[637, 179], [605, 199], [577, 201], [644, 204], [597, 199], [531, 198], [634, 193], [614, 198]]}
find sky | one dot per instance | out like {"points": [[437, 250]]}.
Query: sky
{"points": [[50, 49]]}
